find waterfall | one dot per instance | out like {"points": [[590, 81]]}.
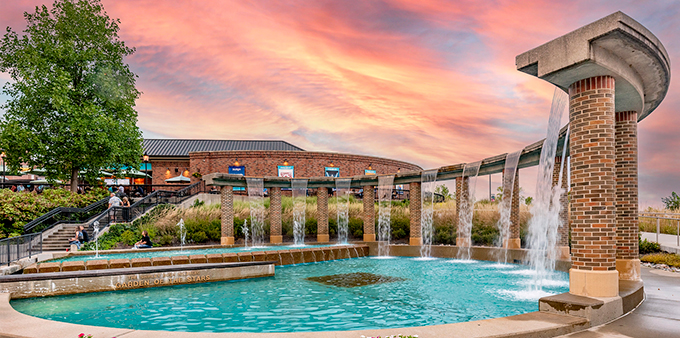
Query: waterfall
{"points": [[385, 184], [299, 208], [503, 224], [428, 180], [342, 206], [257, 210], [544, 222], [467, 206]]}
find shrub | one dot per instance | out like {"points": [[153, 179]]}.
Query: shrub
{"points": [[662, 258], [356, 227], [332, 227], [444, 235], [129, 237], [310, 226], [647, 247]]}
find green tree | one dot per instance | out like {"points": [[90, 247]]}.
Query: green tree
{"points": [[671, 202], [71, 107], [443, 190]]}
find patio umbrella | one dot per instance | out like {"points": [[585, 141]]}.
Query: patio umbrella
{"points": [[43, 181], [135, 173], [38, 171], [178, 179]]}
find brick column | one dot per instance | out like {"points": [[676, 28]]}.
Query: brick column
{"points": [[461, 195], [415, 208], [627, 254], [322, 215], [275, 235], [227, 206], [514, 242], [369, 214], [563, 230], [593, 177]]}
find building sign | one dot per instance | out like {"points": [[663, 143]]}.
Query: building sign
{"points": [[238, 170], [369, 172], [117, 181], [286, 171], [332, 172]]}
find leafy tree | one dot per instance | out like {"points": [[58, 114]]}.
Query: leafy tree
{"points": [[443, 190], [71, 96], [671, 202]]}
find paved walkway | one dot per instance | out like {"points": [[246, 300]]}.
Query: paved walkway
{"points": [[669, 243], [657, 316]]}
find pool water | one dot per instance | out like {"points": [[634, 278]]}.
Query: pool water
{"points": [[141, 253], [401, 292]]}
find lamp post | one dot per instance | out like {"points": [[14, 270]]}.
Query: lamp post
{"points": [[4, 167], [146, 171]]}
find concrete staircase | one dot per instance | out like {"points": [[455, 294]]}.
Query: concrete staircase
{"points": [[58, 240]]}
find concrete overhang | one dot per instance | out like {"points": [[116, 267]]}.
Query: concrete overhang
{"points": [[615, 45]]}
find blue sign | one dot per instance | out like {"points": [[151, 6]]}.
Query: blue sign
{"points": [[332, 172], [286, 171], [237, 170], [370, 172]]}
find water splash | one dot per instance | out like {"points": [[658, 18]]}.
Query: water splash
{"points": [[428, 181], [182, 234], [96, 237], [246, 234], [544, 223], [299, 208], [342, 205], [385, 185], [467, 205], [257, 210], [511, 161]]}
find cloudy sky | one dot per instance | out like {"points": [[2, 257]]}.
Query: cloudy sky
{"points": [[430, 82]]}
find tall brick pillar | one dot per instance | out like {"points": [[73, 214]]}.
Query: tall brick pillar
{"points": [[415, 207], [322, 215], [514, 242], [227, 206], [461, 195], [369, 214], [627, 254], [275, 235], [593, 177], [563, 230]]}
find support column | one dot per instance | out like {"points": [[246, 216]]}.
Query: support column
{"points": [[369, 214], [514, 242], [322, 215], [415, 209], [275, 235], [593, 177], [627, 252], [461, 195], [227, 206], [563, 230]]}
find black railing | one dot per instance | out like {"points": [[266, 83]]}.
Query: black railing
{"points": [[66, 215], [16, 248]]}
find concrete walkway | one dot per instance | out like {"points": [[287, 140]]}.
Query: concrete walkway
{"points": [[657, 316], [669, 243]]}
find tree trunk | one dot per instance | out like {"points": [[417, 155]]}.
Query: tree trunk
{"points": [[74, 179]]}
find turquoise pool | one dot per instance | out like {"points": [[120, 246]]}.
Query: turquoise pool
{"points": [[407, 292], [141, 253]]}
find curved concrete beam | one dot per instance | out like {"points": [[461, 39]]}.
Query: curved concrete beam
{"points": [[615, 45]]}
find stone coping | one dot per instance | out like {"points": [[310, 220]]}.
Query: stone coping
{"points": [[534, 324]]}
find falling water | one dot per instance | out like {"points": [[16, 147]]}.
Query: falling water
{"points": [[503, 224], [182, 234], [299, 208], [96, 237], [428, 180], [385, 184], [342, 206], [544, 222], [467, 205], [246, 234], [257, 210]]}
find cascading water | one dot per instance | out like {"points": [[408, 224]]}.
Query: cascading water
{"points": [[544, 222], [342, 206], [182, 234], [467, 206], [428, 180], [503, 224], [96, 237], [299, 188], [385, 185], [257, 210]]}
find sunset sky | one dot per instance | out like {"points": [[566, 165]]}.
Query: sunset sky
{"points": [[429, 82]]}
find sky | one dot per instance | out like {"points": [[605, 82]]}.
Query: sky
{"points": [[429, 82]]}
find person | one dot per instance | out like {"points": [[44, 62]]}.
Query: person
{"points": [[126, 202], [145, 242], [114, 202], [121, 191], [213, 190], [126, 211], [20, 188], [77, 238], [86, 238]]}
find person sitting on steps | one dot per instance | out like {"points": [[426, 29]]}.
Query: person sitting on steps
{"points": [[77, 239], [145, 242]]}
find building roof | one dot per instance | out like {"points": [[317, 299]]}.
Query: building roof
{"points": [[181, 148]]}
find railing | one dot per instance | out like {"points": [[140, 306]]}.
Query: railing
{"points": [[15, 248], [658, 225], [66, 215]]}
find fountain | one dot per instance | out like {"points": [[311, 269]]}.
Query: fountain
{"points": [[182, 234], [342, 206], [96, 237], [246, 234], [467, 205], [503, 224], [428, 180], [544, 223], [385, 184], [299, 208], [257, 210]]}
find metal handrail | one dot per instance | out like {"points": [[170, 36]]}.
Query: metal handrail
{"points": [[658, 226], [60, 210]]}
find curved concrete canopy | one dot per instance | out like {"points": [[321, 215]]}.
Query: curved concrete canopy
{"points": [[615, 45]]}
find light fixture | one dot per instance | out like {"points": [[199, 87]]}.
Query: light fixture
{"points": [[236, 164], [145, 158], [369, 167], [285, 162], [332, 164], [398, 170]]}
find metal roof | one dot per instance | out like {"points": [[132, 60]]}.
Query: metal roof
{"points": [[174, 147]]}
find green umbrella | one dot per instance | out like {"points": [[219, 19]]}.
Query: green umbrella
{"points": [[178, 179], [134, 173], [43, 181]]}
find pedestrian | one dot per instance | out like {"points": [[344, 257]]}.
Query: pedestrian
{"points": [[77, 239], [86, 238]]}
